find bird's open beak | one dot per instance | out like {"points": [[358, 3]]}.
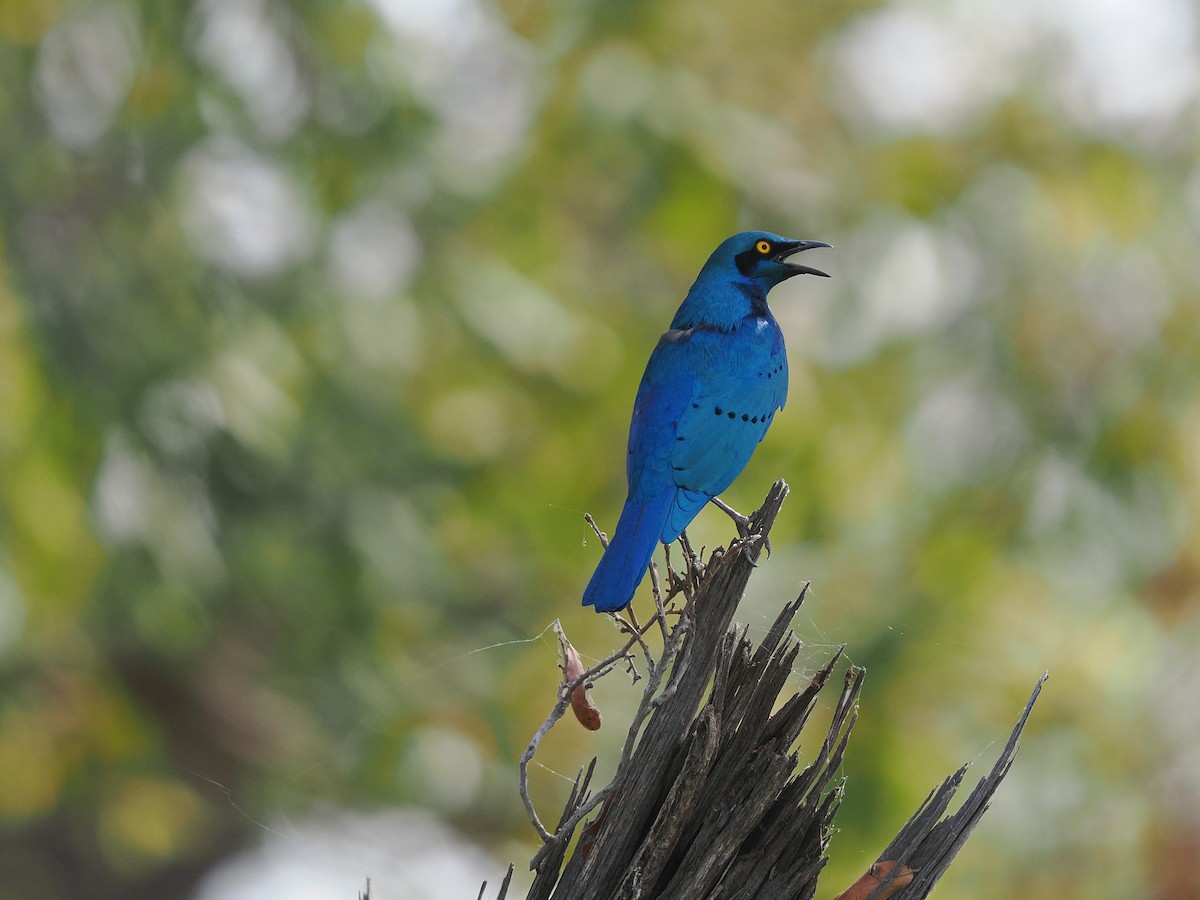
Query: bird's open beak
{"points": [[793, 247]]}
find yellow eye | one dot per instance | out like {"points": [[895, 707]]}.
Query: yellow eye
{"points": [[763, 247]]}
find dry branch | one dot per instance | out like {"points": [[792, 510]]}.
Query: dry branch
{"points": [[708, 800]]}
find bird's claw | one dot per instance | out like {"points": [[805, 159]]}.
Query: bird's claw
{"points": [[749, 541], [742, 523]]}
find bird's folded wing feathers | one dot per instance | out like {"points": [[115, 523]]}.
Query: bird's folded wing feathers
{"points": [[663, 395], [701, 409], [723, 423]]}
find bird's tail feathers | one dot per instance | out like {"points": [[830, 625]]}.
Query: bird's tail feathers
{"points": [[624, 563], [683, 509]]}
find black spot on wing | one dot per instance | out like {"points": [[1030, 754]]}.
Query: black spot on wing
{"points": [[745, 417]]}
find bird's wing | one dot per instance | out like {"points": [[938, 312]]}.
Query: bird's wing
{"points": [[728, 413], [662, 397], [704, 403]]}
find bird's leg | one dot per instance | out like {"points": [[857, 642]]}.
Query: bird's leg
{"points": [[742, 523]]}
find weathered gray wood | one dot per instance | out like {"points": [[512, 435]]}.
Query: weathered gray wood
{"points": [[547, 877], [483, 887], [702, 781], [678, 809], [712, 803], [927, 843]]}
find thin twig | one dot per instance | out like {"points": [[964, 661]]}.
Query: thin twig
{"points": [[564, 700], [634, 628], [660, 615], [651, 698], [587, 517], [645, 707]]}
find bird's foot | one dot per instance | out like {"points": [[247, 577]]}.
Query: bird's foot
{"points": [[742, 523]]}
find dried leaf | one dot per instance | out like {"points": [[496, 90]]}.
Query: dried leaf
{"points": [[874, 877], [585, 711]]}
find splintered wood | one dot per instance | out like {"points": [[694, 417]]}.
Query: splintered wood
{"points": [[709, 799]]}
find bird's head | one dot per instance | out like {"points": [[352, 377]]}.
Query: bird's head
{"points": [[734, 282], [763, 258]]}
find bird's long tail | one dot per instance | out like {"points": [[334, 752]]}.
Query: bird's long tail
{"points": [[624, 563]]}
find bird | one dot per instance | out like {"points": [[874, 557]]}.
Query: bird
{"points": [[710, 391]]}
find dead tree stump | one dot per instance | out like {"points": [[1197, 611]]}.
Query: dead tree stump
{"points": [[709, 800]]}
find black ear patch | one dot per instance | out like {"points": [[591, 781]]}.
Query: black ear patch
{"points": [[746, 260]]}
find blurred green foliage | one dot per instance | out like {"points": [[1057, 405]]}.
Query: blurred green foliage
{"points": [[319, 329]]}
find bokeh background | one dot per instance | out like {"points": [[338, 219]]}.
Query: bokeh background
{"points": [[320, 324]]}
